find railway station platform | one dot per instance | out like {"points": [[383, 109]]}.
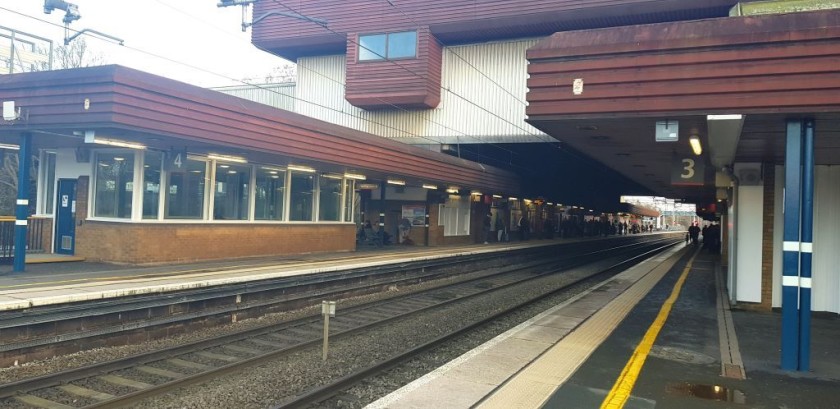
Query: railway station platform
{"points": [[658, 335], [53, 282]]}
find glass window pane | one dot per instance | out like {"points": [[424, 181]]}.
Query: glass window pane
{"points": [[372, 47], [402, 45], [301, 190], [329, 199], [49, 182], [270, 194], [350, 200], [151, 184], [185, 192], [114, 184], [232, 190]]}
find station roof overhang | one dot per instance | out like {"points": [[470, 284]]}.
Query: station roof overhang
{"points": [[57, 107], [734, 82]]}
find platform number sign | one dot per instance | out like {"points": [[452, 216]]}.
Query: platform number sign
{"points": [[688, 170], [176, 161]]}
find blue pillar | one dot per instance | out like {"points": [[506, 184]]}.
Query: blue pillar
{"points": [[22, 208], [806, 248], [791, 245]]}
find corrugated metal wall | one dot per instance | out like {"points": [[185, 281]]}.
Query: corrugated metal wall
{"points": [[473, 108], [276, 95], [826, 266]]}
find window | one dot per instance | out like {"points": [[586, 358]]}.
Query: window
{"points": [[151, 184], [455, 216], [350, 199], [114, 181], [329, 199], [232, 190], [388, 46], [185, 191], [270, 194], [301, 192], [47, 182]]}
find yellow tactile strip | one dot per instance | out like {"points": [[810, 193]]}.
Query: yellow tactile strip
{"points": [[536, 383], [466, 380]]}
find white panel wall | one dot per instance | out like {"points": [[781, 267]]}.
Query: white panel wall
{"points": [[826, 266], [277, 95], [482, 98], [749, 232], [66, 166]]}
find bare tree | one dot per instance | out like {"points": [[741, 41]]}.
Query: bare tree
{"points": [[282, 73], [77, 55]]}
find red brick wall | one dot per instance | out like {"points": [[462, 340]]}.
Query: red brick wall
{"points": [[141, 243]]}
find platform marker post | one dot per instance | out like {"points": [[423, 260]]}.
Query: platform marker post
{"points": [[328, 310], [22, 204], [806, 248], [791, 246]]}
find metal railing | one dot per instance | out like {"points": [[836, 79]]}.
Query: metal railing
{"points": [[34, 237]]}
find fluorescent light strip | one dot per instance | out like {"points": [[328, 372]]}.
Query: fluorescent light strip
{"points": [[301, 168], [396, 182], [428, 186], [227, 158], [9, 146], [355, 176], [497, 196], [694, 141], [475, 193], [331, 176], [121, 144]]}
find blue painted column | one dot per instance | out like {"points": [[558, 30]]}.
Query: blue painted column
{"points": [[806, 248], [22, 205], [790, 254]]}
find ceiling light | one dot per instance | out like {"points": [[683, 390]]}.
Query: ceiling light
{"points": [[452, 190], [90, 137], [512, 198], [497, 196], [301, 168], [227, 158], [9, 146], [428, 186], [355, 176], [396, 182], [694, 140], [475, 193], [331, 176]]}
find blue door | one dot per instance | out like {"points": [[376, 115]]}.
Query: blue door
{"points": [[65, 217]]}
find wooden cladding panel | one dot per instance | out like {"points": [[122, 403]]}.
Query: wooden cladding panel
{"points": [[403, 83], [136, 103], [789, 63], [457, 19]]}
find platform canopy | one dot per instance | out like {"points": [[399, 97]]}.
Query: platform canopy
{"points": [[58, 107]]}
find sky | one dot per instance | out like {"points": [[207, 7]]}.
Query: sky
{"points": [[193, 41]]}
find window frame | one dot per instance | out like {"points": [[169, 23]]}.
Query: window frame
{"points": [[386, 56]]}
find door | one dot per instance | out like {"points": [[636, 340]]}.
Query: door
{"points": [[65, 217]]}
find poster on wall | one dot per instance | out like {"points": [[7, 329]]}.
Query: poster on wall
{"points": [[415, 213]]}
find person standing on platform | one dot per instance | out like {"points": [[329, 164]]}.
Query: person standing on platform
{"points": [[486, 227], [523, 227], [500, 228]]}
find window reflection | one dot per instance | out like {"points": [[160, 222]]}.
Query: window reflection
{"points": [[185, 191], [232, 190], [301, 191], [114, 184], [329, 199], [270, 194], [151, 184]]}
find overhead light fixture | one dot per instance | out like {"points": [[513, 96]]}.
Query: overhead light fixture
{"points": [[694, 140], [396, 182], [428, 186], [301, 168], [475, 193], [355, 176], [90, 137], [724, 117], [512, 198], [452, 190], [331, 176], [497, 196], [227, 158], [9, 146]]}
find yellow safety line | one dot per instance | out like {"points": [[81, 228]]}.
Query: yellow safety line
{"points": [[623, 386]]}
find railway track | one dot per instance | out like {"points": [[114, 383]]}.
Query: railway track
{"points": [[124, 382]]}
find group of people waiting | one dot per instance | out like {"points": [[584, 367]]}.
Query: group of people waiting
{"points": [[710, 236]]}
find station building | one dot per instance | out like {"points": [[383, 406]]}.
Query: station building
{"points": [[136, 168]]}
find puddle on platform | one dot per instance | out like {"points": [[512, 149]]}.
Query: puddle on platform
{"points": [[711, 392]]}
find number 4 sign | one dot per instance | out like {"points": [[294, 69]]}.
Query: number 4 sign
{"points": [[176, 161]]}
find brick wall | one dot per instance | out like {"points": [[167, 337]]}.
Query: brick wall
{"points": [[143, 243], [767, 237]]}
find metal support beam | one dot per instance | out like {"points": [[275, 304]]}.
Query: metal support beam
{"points": [[797, 245], [806, 248], [22, 205]]}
